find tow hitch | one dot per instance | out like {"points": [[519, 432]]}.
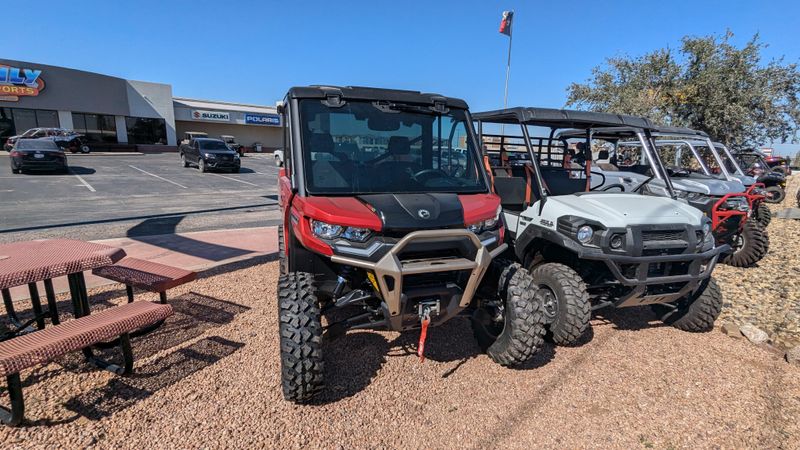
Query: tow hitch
{"points": [[426, 310]]}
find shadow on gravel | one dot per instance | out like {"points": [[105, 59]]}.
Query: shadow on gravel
{"points": [[636, 318], [122, 392], [351, 362]]}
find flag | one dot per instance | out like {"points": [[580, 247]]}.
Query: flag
{"points": [[505, 24]]}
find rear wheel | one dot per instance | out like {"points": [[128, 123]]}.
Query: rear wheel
{"points": [[749, 246], [510, 330], [763, 215], [696, 312], [775, 194], [565, 301], [300, 337]]}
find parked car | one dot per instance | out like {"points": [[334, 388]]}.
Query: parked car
{"points": [[779, 164], [64, 138], [754, 165], [189, 135], [231, 141], [209, 154], [37, 154]]}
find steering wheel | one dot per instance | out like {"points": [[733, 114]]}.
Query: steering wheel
{"points": [[601, 183], [615, 185], [423, 175], [676, 171]]}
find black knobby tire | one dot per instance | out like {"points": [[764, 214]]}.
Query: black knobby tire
{"points": [[750, 246], [301, 337], [520, 334], [284, 263], [775, 194], [695, 312], [763, 215], [570, 310]]}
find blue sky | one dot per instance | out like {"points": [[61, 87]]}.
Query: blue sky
{"points": [[253, 51]]}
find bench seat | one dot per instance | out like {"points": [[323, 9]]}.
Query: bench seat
{"points": [[146, 275], [45, 345]]}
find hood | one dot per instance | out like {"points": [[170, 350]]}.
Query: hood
{"points": [[623, 209], [746, 180], [710, 186], [407, 212]]}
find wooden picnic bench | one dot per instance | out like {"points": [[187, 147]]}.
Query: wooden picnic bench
{"points": [[40, 347]]}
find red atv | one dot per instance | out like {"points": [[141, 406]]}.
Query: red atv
{"points": [[389, 223]]}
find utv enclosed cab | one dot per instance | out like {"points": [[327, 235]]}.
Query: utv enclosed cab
{"points": [[585, 245], [389, 220], [753, 164]]}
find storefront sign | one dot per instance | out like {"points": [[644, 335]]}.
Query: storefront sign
{"points": [[18, 82], [262, 119], [211, 115]]}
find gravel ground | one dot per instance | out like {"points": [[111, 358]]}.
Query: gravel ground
{"points": [[210, 379], [768, 296]]}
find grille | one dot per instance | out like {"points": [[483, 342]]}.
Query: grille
{"points": [[665, 235]]}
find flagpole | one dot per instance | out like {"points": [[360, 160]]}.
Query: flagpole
{"points": [[508, 67]]}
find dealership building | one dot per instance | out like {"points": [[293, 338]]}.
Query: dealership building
{"points": [[117, 113]]}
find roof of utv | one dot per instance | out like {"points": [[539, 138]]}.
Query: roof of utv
{"points": [[561, 118], [677, 131], [374, 94]]}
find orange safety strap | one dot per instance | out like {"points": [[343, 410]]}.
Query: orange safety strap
{"points": [[528, 179], [423, 334], [488, 169]]}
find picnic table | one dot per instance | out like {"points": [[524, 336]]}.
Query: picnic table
{"points": [[29, 262]]}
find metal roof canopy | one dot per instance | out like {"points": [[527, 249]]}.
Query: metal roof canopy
{"points": [[561, 118], [374, 94]]}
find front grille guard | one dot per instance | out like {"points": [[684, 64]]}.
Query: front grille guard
{"points": [[390, 266]]}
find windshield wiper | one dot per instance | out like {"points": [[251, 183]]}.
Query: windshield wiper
{"points": [[643, 183]]}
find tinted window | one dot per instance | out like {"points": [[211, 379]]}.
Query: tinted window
{"points": [[212, 145], [36, 144], [146, 130], [363, 147]]}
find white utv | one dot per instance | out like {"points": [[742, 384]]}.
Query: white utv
{"points": [[587, 248]]}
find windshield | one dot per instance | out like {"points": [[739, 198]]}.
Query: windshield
{"points": [[708, 158], [677, 157], [370, 148], [730, 165], [213, 145], [36, 144]]}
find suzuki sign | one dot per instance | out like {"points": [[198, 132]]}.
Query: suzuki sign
{"points": [[262, 119], [211, 115], [16, 82]]}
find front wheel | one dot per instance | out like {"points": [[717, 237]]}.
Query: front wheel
{"points": [[749, 246], [510, 330], [184, 162], [775, 194], [85, 148], [565, 302], [696, 312], [300, 326], [763, 215], [15, 171], [201, 164]]}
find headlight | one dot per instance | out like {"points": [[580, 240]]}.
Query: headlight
{"points": [[210, 155], [326, 230], [329, 231], [706, 229], [475, 227], [488, 224], [235, 156], [585, 234], [356, 234]]}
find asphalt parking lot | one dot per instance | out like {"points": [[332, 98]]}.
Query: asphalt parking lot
{"points": [[106, 196]]}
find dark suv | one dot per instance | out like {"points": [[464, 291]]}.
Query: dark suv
{"points": [[208, 154]]}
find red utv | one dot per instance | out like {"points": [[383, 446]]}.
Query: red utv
{"points": [[389, 223]]}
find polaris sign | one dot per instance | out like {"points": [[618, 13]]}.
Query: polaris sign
{"points": [[262, 119], [211, 115]]}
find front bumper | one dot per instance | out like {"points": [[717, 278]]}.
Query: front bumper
{"points": [[392, 267], [219, 163]]}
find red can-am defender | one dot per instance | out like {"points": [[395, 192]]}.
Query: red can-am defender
{"points": [[389, 223]]}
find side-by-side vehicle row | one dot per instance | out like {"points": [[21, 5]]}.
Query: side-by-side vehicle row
{"points": [[402, 211]]}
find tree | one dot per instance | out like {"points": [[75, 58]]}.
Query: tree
{"points": [[711, 85]]}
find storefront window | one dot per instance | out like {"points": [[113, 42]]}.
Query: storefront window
{"points": [[46, 119], [146, 131], [6, 125], [96, 127], [24, 119]]}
